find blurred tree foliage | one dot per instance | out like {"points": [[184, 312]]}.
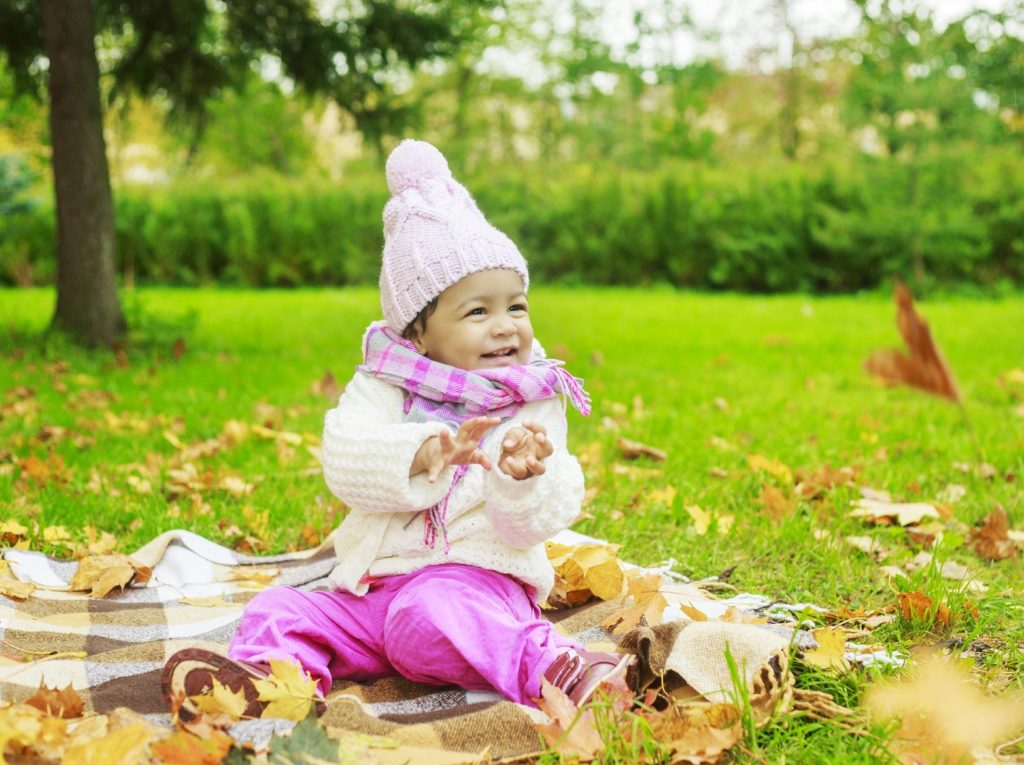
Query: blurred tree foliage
{"points": [[877, 141]]}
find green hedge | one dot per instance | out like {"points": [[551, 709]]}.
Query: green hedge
{"points": [[947, 219]]}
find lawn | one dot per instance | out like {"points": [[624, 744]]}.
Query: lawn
{"points": [[709, 379]]}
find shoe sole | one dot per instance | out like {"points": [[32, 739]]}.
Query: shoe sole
{"points": [[235, 676], [627, 662]]}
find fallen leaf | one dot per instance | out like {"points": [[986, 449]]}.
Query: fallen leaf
{"points": [[584, 571], [570, 732], [125, 745], [289, 689], [665, 495], [701, 518], [327, 387], [185, 748], [943, 714], [923, 366], [919, 607], [65, 702], [870, 546], [648, 604], [991, 540], [221, 700], [101, 573], [830, 651], [698, 733], [761, 464], [775, 502], [308, 743], [632, 450], [816, 483], [635, 471], [882, 512]]}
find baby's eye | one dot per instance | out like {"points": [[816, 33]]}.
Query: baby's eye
{"points": [[477, 312], [518, 307]]}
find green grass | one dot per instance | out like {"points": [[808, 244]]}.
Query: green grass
{"points": [[719, 377]]}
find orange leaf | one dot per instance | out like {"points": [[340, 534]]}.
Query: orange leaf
{"points": [[917, 605], [184, 748], [991, 539], [924, 366], [64, 703]]}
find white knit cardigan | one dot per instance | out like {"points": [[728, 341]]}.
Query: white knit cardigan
{"points": [[494, 521]]}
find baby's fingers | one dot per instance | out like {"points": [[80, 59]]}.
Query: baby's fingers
{"points": [[535, 466], [514, 439]]}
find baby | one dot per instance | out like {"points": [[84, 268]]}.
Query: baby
{"points": [[449, 446]]}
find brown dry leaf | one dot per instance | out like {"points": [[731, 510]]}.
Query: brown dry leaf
{"points": [[923, 366], [943, 713], [65, 702], [816, 483], [570, 732], [634, 471], [327, 387], [101, 573], [917, 605], [289, 689], [235, 486], [632, 450], [185, 748], [699, 733], [12, 532], [884, 513], [776, 503], [991, 540], [830, 651], [780, 470], [11, 586]]}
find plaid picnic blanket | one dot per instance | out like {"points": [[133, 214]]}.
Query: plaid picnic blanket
{"points": [[112, 649]]}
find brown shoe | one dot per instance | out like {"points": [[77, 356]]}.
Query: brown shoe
{"points": [[579, 673], [191, 671]]}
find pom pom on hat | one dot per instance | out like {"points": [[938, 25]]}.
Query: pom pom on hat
{"points": [[413, 162], [434, 234]]}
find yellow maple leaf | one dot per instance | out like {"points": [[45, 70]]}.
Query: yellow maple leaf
{"points": [[830, 651], [121, 746], [222, 700], [665, 496], [289, 689], [760, 463]]}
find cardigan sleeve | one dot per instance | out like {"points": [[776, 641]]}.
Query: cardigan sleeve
{"points": [[368, 450], [529, 511]]}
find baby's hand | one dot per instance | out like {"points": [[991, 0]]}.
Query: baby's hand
{"points": [[444, 449], [523, 451]]}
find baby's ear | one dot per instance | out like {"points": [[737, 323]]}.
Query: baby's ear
{"points": [[416, 338]]}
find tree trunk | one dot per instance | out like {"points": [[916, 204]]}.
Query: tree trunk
{"points": [[87, 302]]}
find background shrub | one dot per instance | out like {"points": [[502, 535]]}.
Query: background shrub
{"points": [[942, 220]]}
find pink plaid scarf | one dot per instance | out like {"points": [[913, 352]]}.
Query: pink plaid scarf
{"points": [[436, 391]]}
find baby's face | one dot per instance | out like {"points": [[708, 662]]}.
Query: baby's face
{"points": [[481, 321]]}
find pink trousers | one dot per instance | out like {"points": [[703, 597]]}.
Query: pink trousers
{"points": [[446, 624]]}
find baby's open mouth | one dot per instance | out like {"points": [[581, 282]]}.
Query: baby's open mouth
{"points": [[503, 353]]}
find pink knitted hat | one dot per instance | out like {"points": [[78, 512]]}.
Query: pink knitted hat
{"points": [[434, 234]]}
